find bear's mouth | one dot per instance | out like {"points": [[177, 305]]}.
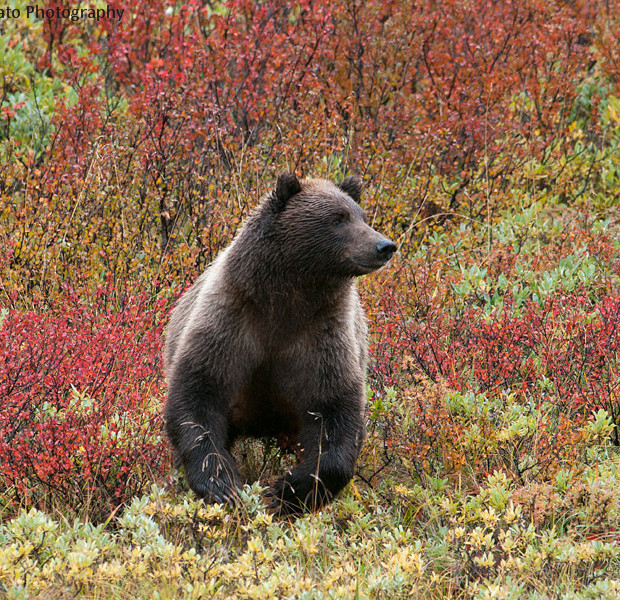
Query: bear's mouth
{"points": [[369, 267]]}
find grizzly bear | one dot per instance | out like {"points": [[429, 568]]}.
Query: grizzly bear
{"points": [[271, 341]]}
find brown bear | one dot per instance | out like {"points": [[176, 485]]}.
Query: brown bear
{"points": [[271, 341]]}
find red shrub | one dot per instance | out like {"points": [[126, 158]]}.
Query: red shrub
{"points": [[569, 341], [554, 362], [384, 84], [81, 390], [564, 350]]}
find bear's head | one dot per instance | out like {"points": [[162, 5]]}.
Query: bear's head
{"points": [[322, 229]]}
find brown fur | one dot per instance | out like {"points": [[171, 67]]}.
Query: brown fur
{"points": [[271, 341]]}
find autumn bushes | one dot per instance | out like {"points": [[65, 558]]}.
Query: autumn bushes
{"points": [[458, 96], [487, 136], [81, 389], [507, 391], [136, 148], [132, 151], [512, 366]]}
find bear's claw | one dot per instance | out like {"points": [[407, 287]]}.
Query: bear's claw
{"points": [[288, 498], [216, 491]]}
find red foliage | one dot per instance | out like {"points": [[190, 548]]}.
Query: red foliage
{"points": [[387, 83], [565, 350], [569, 341], [103, 445]]}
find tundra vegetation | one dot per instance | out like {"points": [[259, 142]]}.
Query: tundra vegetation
{"points": [[486, 134]]}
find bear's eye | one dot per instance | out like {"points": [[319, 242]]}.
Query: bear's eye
{"points": [[339, 219]]}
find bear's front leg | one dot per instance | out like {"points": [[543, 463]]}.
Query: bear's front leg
{"points": [[198, 429], [331, 446]]}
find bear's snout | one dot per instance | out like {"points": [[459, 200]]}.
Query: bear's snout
{"points": [[371, 252], [385, 249]]}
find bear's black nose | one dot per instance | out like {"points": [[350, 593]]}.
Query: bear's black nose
{"points": [[385, 249]]}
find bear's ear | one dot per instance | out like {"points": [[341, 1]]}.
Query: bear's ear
{"points": [[352, 186], [288, 185]]}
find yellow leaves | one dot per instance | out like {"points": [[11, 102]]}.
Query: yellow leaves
{"points": [[408, 561], [575, 132], [80, 561], [599, 428], [112, 570], [478, 539], [309, 538], [489, 517], [255, 545], [485, 560], [15, 561], [613, 109], [508, 542], [512, 513], [159, 543]]}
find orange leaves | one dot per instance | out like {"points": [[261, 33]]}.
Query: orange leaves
{"points": [[8, 112]]}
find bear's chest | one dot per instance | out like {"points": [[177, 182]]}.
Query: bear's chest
{"points": [[262, 407]]}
